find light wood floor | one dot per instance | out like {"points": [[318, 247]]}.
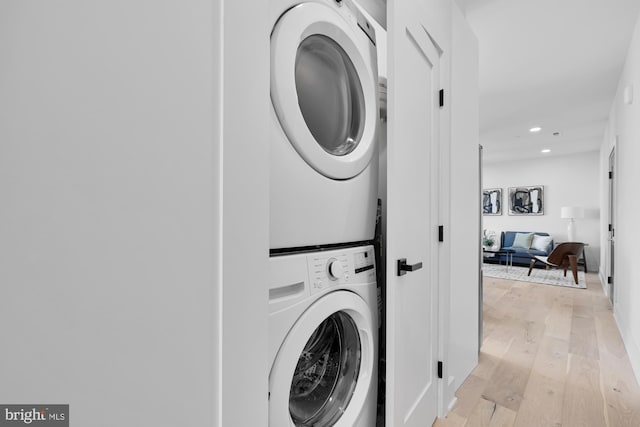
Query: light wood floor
{"points": [[551, 356]]}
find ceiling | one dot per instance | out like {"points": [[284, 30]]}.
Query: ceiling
{"points": [[548, 63]]}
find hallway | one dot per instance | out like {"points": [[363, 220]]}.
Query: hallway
{"points": [[551, 356]]}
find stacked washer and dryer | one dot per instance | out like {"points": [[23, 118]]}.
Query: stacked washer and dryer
{"points": [[323, 305]]}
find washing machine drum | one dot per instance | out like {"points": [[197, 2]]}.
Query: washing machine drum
{"points": [[323, 89], [326, 373], [323, 381]]}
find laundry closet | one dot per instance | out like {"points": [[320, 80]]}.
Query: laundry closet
{"points": [[362, 133], [366, 216]]}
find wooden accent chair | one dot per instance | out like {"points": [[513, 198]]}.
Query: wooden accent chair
{"points": [[563, 256]]}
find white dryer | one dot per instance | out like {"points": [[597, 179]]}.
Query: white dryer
{"points": [[323, 163], [323, 333]]}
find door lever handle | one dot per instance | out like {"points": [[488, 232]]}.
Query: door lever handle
{"points": [[403, 267]]}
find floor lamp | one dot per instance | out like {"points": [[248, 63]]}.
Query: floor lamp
{"points": [[572, 213]]}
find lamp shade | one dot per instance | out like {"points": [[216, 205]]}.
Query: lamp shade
{"points": [[571, 212]]}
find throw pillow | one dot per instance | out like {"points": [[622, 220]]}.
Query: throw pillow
{"points": [[541, 243], [522, 240]]}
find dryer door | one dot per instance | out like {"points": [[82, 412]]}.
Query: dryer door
{"points": [[323, 88], [323, 370]]}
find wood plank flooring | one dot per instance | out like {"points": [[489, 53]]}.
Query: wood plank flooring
{"points": [[551, 357]]}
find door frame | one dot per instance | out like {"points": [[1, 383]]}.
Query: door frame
{"points": [[611, 224]]}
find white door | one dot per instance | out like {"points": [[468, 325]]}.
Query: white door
{"points": [[412, 220]]}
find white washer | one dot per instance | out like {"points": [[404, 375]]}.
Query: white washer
{"points": [[323, 163], [323, 333]]}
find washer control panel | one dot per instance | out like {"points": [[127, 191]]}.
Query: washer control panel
{"points": [[364, 261], [332, 268]]}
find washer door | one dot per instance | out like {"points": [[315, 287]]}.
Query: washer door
{"points": [[323, 89], [323, 370]]}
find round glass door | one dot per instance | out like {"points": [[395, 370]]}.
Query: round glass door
{"points": [[326, 374], [324, 89], [329, 94]]}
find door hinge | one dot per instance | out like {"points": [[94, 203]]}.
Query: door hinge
{"points": [[610, 227], [441, 233], [440, 368], [441, 98], [609, 280], [610, 175]]}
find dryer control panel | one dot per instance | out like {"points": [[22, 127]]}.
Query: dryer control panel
{"points": [[332, 268]]}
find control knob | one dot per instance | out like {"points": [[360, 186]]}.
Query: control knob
{"points": [[334, 269]]}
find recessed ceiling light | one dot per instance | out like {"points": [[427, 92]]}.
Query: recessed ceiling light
{"points": [[535, 129], [546, 150]]}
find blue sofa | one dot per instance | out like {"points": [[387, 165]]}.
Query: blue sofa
{"points": [[521, 255]]}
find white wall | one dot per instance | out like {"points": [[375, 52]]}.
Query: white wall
{"points": [[568, 181], [122, 291], [106, 238], [624, 125]]}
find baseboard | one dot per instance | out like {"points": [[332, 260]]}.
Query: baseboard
{"points": [[453, 402], [447, 394], [603, 282], [633, 349]]}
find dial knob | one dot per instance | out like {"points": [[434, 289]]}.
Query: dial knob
{"points": [[334, 269]]}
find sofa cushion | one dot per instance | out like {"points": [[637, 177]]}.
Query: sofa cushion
{"points": [[506, 237], [522, 240], [532, 252], [519, 256], [541, 243], [524, 252]]}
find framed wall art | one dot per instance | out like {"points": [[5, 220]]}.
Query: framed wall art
{"points": [[492, 201], [526, 200]]}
